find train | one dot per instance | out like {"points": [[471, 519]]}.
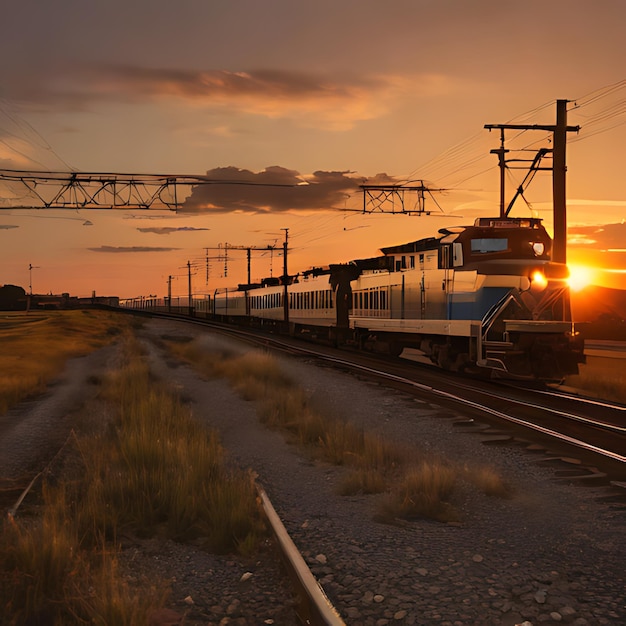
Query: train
{"points": [[480, 298]]}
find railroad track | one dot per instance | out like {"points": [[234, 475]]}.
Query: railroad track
{"points": [[495, 414], [586, 432]]}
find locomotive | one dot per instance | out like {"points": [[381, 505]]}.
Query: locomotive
{"points": [[483, 297]]}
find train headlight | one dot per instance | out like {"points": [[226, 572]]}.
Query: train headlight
{"points": [[538, 281], [538, 248]]}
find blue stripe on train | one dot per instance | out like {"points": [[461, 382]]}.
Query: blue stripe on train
{"points": [[474, 305]]}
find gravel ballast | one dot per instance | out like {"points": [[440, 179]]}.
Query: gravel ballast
{"points": [[553, 553]]}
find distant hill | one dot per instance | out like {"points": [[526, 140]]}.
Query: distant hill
{"points": [[600, 312], [595, 302]]}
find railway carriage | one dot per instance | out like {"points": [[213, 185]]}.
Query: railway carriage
{"points": [[485, 295]]}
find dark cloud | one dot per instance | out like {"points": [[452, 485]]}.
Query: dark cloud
{"points": [[166, 230], [275, 189], [215, 83], [8, 226], [131, 249], [337, 101], [604, 236]]}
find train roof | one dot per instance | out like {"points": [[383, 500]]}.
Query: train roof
{"points": [[481, 224]]}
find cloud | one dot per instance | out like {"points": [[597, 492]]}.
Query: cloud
{"points": [[131, 249], [309, 99], [166, 230], [8, 226], [275, 189], [607, 236]]}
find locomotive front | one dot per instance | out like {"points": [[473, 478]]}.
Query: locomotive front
{"points": [[527, 327]]}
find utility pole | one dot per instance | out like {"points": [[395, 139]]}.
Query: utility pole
{"points": [[559, 140], [559, 168], [226, 247], [189, 288], [30, 277], [501, 151], [285, 278], [169, 293]]}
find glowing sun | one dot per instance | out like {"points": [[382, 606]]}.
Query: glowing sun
{"points": [[580, 276]]}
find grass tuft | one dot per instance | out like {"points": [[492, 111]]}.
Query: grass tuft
{"points": [[424, 491], [489, 481]]}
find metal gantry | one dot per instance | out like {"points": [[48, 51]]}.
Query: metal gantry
{"points": [[96, 190], [408, 198]]}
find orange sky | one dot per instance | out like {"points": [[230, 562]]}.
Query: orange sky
{"points": [[332, 93]]}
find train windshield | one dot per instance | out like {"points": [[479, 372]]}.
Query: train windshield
{"points": [[485, 246]]}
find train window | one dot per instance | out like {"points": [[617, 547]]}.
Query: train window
{"points": [[485, 246], [366, 300], [383, 300], [412, 261]]}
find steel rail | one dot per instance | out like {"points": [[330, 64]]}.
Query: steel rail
{"points": [[599, 403], [277, 343], [319, 609], [499, 414]]}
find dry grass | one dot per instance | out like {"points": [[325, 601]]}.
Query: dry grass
{"points": [[488, 480], [423, 491], [53, 337], [154, 471], [603, 377], [166, 472], [46, 575], [376, 464]]}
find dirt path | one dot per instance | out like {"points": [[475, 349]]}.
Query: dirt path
{"points": [[32, 432]]}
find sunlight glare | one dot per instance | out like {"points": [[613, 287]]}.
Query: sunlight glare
{"points": [[580, 276]]}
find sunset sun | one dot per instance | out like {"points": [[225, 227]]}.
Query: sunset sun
{"points": [[580, 277]]}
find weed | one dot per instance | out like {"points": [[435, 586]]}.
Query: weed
{"points": [[424, 491], [489, 481]]}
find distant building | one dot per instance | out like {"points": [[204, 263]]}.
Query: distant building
{"points": [[12, 298]]}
